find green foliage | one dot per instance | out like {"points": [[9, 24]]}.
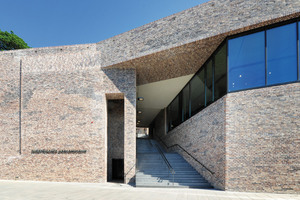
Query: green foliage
{"points": [[10, 41]]}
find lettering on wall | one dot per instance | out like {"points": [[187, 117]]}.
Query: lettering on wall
{"points": [[54, 151]]}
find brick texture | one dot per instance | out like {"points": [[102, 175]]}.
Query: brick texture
{"points": [[262, 139], [204, 21], [63, 107], [249, 139], [203, 136]]}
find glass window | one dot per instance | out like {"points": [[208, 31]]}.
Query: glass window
{"points": [[246, 61], [174, 113], [209, 83], [282, 54], [220, 73], [186, 102], [169, 120], [197, 92], [298, 51]]}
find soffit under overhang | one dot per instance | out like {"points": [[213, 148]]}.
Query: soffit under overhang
{"points": [[185, 59], [182, 38], [161, 73], [172, 63]]}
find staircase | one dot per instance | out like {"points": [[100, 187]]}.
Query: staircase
{"points": [[152, 170]]}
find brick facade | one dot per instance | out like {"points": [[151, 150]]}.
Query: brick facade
{"points": [[55, 99], [249, 139], [203, 136], [63, 107], [262, 139]]}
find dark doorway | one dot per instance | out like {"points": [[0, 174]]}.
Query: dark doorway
{"points": [[117, 169], [115, 140]]}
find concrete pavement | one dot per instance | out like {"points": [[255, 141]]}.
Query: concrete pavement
{"points": [[30, 190]]}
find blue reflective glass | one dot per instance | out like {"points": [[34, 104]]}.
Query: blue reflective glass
{"points": [[282, 54], [246, 62]]}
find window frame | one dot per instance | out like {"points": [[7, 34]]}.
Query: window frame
{"points": [[212, 58], [265, 28]]}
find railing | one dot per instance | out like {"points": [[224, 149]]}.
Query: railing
{"points": [[150, 142], [187, 154], [171, 170]]}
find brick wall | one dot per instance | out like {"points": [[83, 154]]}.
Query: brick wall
{"points": [[63, 107], [203, 136], [200, 22], [9, 105], [250, 139], [262, 139]]}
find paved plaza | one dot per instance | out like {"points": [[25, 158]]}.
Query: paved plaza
{"points": [[29, 190]]}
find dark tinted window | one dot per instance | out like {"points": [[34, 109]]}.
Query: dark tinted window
{"points": [[197, 92], [174, 113], [185, 102], [220, 78], [209, 83]]}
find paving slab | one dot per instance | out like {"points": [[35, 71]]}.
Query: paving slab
{"points": [[34, 190]]}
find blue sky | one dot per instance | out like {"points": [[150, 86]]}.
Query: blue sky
{"points": [[44, 23]]}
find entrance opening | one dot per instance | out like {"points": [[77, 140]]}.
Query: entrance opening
{"points": [[142, 132], [115, 140], [117, 169]]}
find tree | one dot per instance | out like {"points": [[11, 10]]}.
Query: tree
{"points": [[10, 41]]}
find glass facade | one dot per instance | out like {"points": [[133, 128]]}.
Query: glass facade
{"points": [[246, 62], [220, 72], [186, 103], [255, 60], [197, 92], [209, 83], [206, 86], [263, 58], [282, 54], [174, 113]]}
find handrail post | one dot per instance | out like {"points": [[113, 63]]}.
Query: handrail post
{"points": [[171, 170]]}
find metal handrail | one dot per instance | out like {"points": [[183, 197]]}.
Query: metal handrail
{"points": [[150, 143], [187, 154], [165, 159], [171, 170]]}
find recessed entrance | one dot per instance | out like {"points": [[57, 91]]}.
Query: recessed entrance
{"points": [[115, 140], [117, 169]]}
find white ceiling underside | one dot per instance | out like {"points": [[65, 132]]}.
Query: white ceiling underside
{"points": [[157, 96]]}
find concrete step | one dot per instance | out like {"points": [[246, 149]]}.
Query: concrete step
{"points": [[170, 179], [157, 172], [170, 184], [191, 176]]}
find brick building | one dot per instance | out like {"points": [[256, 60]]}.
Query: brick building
{"points": [[220, 79]]}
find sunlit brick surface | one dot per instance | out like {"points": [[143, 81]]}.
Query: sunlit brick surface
{"points": [[263, 139], [63, 107]]}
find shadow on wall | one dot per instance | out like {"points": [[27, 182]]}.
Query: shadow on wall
{"points": [[124, 80]]}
